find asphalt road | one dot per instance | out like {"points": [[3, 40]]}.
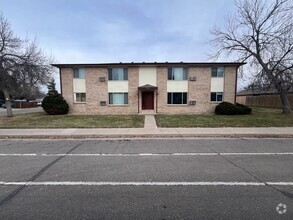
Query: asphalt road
{"points": [[146, 179]]}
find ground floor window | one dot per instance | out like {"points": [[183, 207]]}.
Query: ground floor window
{"points": [[177, 97], [79, 97], [118, 98], [216, 96]]}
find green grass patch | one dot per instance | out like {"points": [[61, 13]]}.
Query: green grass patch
{"points": [[260, 117], [42, 120]]}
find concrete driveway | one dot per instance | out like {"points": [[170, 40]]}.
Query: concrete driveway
{"points": [[17, 111]]}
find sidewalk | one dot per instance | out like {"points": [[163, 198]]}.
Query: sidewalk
{"points": [[272, 132]]}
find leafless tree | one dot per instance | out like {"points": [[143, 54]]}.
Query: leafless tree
{"points": [[22, 64], [261, 33]]}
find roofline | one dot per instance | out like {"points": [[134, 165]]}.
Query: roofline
{"points": [[163, 64]]}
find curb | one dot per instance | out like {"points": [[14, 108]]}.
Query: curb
{"points": [[150, 136]]}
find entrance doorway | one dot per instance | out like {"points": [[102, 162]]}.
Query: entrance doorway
{"points": [[147, 100]]}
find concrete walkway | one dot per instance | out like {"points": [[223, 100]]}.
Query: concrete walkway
{"points": [[284, 132], [150, 121]]}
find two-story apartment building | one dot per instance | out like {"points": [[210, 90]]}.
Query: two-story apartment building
{"points": [[133, 88]]}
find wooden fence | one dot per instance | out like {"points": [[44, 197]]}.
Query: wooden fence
{"points": [[273, 101], [25, 104]]}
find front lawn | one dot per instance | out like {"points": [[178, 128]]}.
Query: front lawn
{"points": [[260, 117], [41, 120]]}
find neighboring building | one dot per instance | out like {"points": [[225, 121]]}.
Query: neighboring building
{"points": [[261, 97], [132, 88]]}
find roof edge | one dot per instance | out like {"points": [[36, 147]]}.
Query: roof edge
{"points": [[199, 64]]}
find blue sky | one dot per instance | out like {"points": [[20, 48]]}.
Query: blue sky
{"points": [[119, 30]]}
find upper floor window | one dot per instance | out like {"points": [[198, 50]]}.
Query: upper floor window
{"points": [[118, 73], [177, 73], [217, 71], [79, 73]]}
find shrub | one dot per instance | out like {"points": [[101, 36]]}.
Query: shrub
{"points": [[227, 108], [54, 103], [246, 110]]}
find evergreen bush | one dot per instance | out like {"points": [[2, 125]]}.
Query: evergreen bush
{"points": [[54, 103], [227, 108]]}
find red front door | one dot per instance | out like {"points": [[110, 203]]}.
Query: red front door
{"points": [[147, 100]]}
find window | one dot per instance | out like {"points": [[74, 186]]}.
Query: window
{"points": [[118, 98], [118, 73], [79, 97], [177, 73], [79, 73], [216, 96], [217, 71], [177, 97]]}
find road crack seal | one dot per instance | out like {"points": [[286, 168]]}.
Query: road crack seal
{"points": [[287, 194], [37, 175]]}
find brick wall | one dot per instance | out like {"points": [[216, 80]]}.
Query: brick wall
{"points": [[229, 84], [67, 86], [198, 91], [97, 91]]}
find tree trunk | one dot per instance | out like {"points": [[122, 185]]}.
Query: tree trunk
{"points": [[285, 103], [8, 103]]}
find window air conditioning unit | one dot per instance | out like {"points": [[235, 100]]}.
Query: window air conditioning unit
{"points": [[102, 79], [192, 78], [103, 103], [192, 102]]}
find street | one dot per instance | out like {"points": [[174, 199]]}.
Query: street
{"points": [[17, 111], [146, 179]]}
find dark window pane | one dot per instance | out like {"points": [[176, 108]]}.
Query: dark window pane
{"points": [[214, 71], [110, 74], [213, 96], [169, 98], [219, 96], [169, 73], [184, 98], [80, 97], [177, 98], [220, 72], [185, 74], [83, 97], [125, 98], [125, 73], [75, 73], [110, 98]]}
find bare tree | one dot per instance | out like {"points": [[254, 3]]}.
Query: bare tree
{"points": [[22, 64], [261, 33]]}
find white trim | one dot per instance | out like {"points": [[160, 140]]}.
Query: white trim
{"points": [[82, 183], [177, 86], [144, 154], [117, 86]]}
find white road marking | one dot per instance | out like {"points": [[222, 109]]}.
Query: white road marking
{"points": [[146, 154], [284, 153], [81, 183]]}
